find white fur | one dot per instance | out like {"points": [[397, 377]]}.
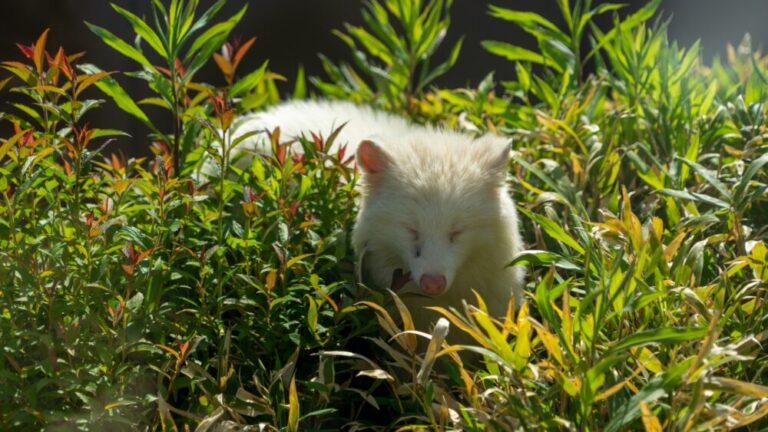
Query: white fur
{"points": [[432, 183]]}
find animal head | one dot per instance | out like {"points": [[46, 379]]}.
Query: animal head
{"points": [[430, 204]]}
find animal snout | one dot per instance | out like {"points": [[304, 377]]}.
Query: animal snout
{"points": [[432, 284]]}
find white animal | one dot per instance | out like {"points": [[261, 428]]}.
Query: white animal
{"points": [[435, 207]]}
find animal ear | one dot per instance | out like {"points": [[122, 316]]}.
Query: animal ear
{"points": [[497, 154], [371, 158]]}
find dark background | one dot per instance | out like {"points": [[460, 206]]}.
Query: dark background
{"points": [[292, 32]]}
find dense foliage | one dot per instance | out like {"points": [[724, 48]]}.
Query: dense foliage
{"points": [[135, 297]]}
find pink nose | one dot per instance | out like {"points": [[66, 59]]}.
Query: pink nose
{"points": [[431, 284]]}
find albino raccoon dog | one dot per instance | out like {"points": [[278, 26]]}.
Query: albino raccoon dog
{"points": [[436, 219]]}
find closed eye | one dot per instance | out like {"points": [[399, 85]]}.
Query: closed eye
{"points": [[454, 234], [414, 234]]}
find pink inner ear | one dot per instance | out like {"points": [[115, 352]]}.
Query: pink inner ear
{"points": [[371, 158]]}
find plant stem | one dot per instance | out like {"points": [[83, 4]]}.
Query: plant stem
{"points": [[177, 127]]}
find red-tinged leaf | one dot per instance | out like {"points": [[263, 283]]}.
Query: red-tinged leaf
{"points": [[50, 59], [28, 51], [28, 139], [144, 254], [168, 165], [318, 141], [129, 252], [40, 51], [62, 63], [165, 71], [241, 51], [180, 69], [183, 348], [219, 105], [280, 153], [225, 67], [170, 350], [248, 195], [128, 269], [83, 136]]}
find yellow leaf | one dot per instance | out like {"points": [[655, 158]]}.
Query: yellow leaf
{"points": [[648, 360], [10, 142], [523, 339], [291, 262], [271, 280], [40, 51], [385, 320], [480, 303], [498, 343], [456, 321], [405, 314], [566, 316], [550, 343], [744, 388], [650, 421], [616, 387], [657, 228], [672, 247], [293, 407]]}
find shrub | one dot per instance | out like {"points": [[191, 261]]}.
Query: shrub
{"points": [[136, 297]]}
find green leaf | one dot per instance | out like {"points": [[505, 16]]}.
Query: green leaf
{"points": [[111, 88], [554, 230], [601, 9], [247, 83], [746, 178], [656, 388], [517, 53], [203, 21], [312, 315], [370, 43], [211, 40], [121, 46], [100, 133], [142, 29], [300, 87], [442, 68], [709, 176], [669, 335], [643, 14], [522, 18], [541, 258]]}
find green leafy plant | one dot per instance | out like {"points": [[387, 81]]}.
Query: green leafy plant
{"points": [[183, 42], [135, 297], [393, 53]]}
